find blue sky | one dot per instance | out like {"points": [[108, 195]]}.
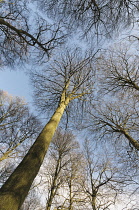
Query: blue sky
{"points": [[16, 83]]}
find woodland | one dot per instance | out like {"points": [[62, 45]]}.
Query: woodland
{"points": [[79, 148]]}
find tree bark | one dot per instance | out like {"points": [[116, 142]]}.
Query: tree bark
{"points": [[15, 189]]}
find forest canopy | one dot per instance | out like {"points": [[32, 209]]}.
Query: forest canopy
{"points": [[81, 150]]}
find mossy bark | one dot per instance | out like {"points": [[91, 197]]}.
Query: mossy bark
{"points": [[15, 189]]}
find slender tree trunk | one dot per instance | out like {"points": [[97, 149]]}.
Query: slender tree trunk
{"points": [[49, 203], [53, 187], [50, 199], [15, 189], [70, 196], [93, 202]]}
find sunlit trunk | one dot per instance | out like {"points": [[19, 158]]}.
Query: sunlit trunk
{"points": [[14, 191]]}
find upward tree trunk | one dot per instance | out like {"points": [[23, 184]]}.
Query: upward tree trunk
{"points": [[50, 199], [53, 187], [93, 202], [14, 191], [70, 196]]}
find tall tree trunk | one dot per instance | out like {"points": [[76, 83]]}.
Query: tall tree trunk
{"points": [[51, 197], [15, 189], [49, 202], [53, 187]]}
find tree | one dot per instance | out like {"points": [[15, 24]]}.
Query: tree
{"points": [[19, 37], [100, 180], [119, 70], [62, 145], [118, 121], [17, 124], [118, 118], [113, 118], [73, 175], [74, 77], [102, 17]]}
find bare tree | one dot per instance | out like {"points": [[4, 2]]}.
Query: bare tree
{"points": [[74, 77], [99, 184], [102, 17], [119, 70], [17, 124], [21, 35], [113, 118], [118, 121], [73, 174], [119, 78], [62, 145]]}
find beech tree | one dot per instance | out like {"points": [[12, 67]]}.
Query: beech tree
{"points": [[116, 113], [100, 178], [113, 118], [62, 145], [74, 79], [119, 70], [98, 17], [17, 124], [20, 38], [118, 121], [73, 197]]}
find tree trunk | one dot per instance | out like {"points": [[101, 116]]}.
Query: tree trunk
{"points": [[15, 189], [50, 199], [94, 203], [70, 196], [53, 187]]}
